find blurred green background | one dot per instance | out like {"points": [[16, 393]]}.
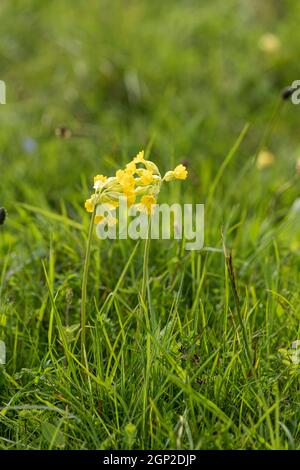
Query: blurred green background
{"points": [[187, 74]]}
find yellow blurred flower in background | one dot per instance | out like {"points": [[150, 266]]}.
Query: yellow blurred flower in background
{"points": [[269, 43], [265, 159]]}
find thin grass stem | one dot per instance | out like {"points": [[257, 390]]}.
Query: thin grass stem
{"points": [[84, 290]]}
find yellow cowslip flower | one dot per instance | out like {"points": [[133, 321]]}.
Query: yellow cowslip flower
{"points": [[104, 213], [98, 219], [137, 184], [126, 180], [140, 157], [99, 181], [110, 220], [145, 177], [89, 205], [179, 173], [131, 168], [131, 197], [147, 204], [100, 178]]}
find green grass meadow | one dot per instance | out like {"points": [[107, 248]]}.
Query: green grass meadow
{"points": [[89, 85]]}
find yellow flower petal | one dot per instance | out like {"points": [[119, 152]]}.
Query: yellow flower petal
{"points": [[98, 219], [180, 172], [100, 178], [131, 168], [89, 205], [146, 177], [131, 197], [147, 204], [99, 181], [126, 180], [140, 157], [109, 220]]}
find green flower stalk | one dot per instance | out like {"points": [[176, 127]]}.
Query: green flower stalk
{"points": [[139, 183]]}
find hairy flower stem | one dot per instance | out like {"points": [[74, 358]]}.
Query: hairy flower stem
{"points": [[145, 269], [84, 288], [145, 279]]}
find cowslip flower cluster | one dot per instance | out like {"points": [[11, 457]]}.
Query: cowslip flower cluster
{"points": [[139, 182]]}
